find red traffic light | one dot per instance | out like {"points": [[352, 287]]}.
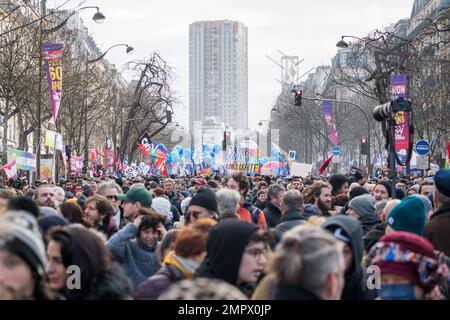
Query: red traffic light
{"points": [[298, 92], [363, 141]]}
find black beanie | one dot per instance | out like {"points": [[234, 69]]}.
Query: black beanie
{"points": [[387, 185], [358, 191], [205, 198], [337, 181]]}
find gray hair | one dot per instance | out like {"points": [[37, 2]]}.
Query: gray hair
{"points": [[441, 198], [306, 256], [227, 201], [292, 200], [274, 190], [108, 185]]}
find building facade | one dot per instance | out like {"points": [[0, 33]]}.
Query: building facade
{"points": [[218, 72]]}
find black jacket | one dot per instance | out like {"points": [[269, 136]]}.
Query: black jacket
{"points": [[174, 200], [225, 246], [355, 279], [289, 220], [260, 205], [282, 292], [273, 215]]}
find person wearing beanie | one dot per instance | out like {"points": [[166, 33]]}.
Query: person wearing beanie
{"points": [[437, 229], [354, 192], [382, 191], [45, 223], [409, 216], [401, 257], [339, 183], [163, 207], [202, 205], [159, 192], [362, 208], [136, 198], [21, 241]]}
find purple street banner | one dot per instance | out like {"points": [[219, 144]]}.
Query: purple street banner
{"points": [[399, 89], [53, 64], [328, 113]]}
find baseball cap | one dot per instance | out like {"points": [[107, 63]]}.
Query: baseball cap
{"points": [[137, 193]]}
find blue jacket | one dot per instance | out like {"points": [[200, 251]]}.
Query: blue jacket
{"points": [[138, 260]]}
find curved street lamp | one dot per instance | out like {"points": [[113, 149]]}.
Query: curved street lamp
{"points": [[129, 50], [97, 17]]}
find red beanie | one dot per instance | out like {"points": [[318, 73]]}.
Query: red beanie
{"points": [[409, 256]]}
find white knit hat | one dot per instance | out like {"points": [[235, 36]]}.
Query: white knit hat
{"points": [[162, 206]]}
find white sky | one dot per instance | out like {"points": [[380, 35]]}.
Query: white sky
{"points": [[308, 29]]}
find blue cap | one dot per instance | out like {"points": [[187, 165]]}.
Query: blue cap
{"points": [[442, 181]]}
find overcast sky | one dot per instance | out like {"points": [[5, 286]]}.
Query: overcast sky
{"points": [[308, 29]]}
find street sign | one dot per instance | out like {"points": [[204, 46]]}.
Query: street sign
{"points": [[422, 147], [336, 151], [292, 155], [422, 162]]}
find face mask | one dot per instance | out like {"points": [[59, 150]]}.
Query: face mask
{"points": [[397, 292]]}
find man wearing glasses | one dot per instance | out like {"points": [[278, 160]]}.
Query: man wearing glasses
{"points": [[111, 190]]}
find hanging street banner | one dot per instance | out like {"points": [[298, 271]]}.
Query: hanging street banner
{"points": [[328, 113], [53, 65], [399, 89], [24, 160], [76, 164]]}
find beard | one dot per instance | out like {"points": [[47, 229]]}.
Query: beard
{"points": [[323, 206], [48, 203]]}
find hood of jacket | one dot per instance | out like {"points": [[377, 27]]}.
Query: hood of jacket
{"points": [[354, 276], [224, 249]]}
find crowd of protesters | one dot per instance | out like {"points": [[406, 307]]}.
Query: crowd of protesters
{"points": [[236, 237]]}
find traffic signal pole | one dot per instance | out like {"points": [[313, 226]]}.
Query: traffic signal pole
{"points": [[360, 109]]}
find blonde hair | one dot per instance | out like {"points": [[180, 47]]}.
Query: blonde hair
{"points": [[306, 256]]}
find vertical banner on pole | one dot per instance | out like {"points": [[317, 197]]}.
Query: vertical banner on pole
{"points": [[399, 89], [328, 113], [53, 65]]}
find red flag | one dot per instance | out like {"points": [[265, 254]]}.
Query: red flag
{"points": [[325, 165]]}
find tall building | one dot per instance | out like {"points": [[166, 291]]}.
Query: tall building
{"points": [[218, 72]]}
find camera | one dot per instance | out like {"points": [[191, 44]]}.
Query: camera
{"points": [[388, 110]]}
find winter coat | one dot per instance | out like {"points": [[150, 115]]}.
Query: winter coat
{"points": [[272, 214], [437, 229], [171, 272], [138, 260], [174, 200], [260, 205], [355, 279], [111, 284], [225, 247], [289, 220], [251, 214]]}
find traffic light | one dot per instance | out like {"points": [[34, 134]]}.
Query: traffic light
{"points": [[364, 147], [298, 97], [226, 139]]}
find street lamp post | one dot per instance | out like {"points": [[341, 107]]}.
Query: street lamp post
{"points": [[129, 50], [355, 105], [98, 17]]}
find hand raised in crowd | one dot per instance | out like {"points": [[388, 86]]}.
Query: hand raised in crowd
{"points": [[137, 221]]}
